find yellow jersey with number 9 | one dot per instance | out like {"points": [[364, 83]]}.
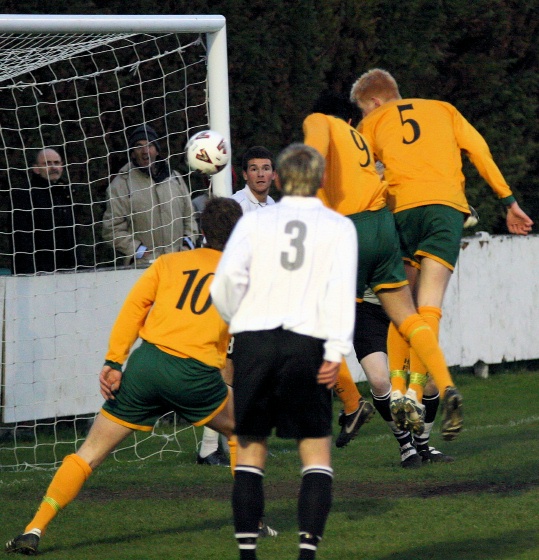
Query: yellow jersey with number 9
{"points": [[351, 182]]}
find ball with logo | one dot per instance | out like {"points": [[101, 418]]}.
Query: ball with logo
{"points": [[208, 152]]}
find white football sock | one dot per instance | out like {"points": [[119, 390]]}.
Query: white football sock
{"points": [[210, 442]]}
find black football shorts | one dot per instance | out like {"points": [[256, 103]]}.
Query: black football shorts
{"points": [[275, 385]]}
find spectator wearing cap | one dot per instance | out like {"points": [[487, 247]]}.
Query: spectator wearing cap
{"points": [[149, 210]]}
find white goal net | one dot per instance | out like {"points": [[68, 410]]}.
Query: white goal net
{"points": [[80, 85]]}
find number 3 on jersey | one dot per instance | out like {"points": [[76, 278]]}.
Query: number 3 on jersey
{"points": [[293, 259]]}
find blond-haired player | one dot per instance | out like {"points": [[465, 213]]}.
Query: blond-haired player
{"points": [[286, 286], [353, 187], [420, 142]]}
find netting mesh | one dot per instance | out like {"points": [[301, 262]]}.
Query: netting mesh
{"points": [[20, 54], [82, 95]]}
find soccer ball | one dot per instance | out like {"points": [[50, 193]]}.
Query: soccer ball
{"points": [[207, 152]]}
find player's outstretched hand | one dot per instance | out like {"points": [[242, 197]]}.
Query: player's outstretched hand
{"points": [[109, 382], [328, 373], [518, 221]]}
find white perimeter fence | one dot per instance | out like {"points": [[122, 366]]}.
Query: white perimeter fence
{"points": [[50, 367]]}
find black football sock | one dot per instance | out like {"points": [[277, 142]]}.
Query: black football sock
{"points": [[431, 402], [248, 508], [314, 504]]}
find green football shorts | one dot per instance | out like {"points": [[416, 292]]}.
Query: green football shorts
{"points": [[432, 231], [155, 383], [380, 264]]}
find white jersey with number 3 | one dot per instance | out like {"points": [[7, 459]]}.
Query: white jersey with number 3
{"points": [[291, 266]]}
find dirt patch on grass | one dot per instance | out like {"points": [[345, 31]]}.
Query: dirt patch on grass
{"points": [[274, 491]]}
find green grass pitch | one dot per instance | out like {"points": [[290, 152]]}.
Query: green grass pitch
{"points": [[485, 505]]}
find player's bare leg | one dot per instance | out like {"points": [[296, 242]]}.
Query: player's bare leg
{"points": [[428, 284], [104, 436], [224, 424], [213, 446]]}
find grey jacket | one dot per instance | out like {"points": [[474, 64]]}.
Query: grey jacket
{"points": [[142, 212]]}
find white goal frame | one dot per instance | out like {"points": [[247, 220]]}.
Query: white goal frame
{"points": [[109, 286]]}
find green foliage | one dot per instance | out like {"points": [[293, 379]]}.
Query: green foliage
{"points": [[351, 42], [413, 45], [482, 56]]}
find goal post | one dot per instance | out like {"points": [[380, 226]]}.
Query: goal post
{"points": [[81, 83]]}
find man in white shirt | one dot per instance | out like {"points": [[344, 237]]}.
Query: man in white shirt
{"points": [[258, 169], [286, 285]]}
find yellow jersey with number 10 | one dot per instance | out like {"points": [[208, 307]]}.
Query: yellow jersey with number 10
{"points": [[170, 306]]}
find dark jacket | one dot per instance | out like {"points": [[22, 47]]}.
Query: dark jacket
{"points": [[43, 226]]}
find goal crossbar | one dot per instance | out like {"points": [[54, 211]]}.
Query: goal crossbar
{"points": [[37, 23]]}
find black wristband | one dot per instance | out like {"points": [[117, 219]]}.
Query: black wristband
{"points": [[113, 365]]}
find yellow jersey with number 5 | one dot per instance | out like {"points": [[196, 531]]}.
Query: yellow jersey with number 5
{"points": [[420, 142], [170, 306], [351, 182]]}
